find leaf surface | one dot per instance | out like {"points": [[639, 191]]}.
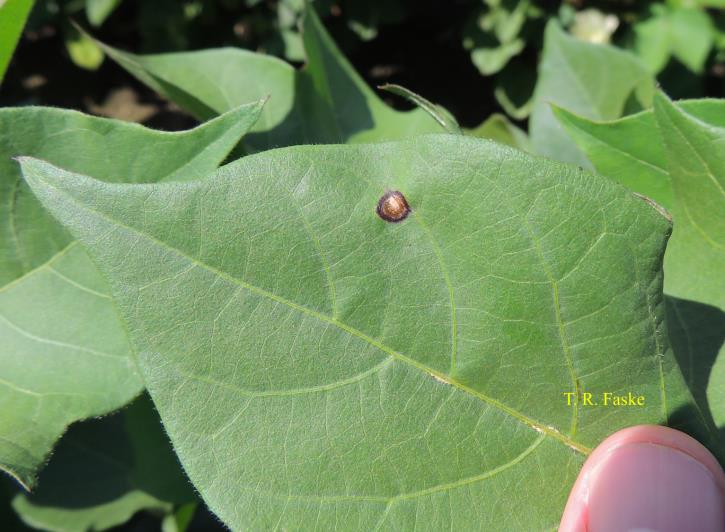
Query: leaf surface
{"points": [[314, 364], [326, 101], [595, 81], [55, 368], [630, 150], [104, 471]]}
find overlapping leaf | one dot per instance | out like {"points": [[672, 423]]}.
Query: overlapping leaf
{"points": [[672, 155], [64, 355], [595, 81], [325, 102], [657, 153], [316, 365], [696, 165]]}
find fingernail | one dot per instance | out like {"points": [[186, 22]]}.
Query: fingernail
{"points": [[650, 487]]}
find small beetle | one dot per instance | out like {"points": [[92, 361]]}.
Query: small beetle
{"points": [[393, 207]]}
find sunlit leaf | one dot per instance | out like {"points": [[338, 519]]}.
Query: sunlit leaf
{"points": [[64, 354], [313, 363]]}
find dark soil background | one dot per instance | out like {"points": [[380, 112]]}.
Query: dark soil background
{"points": [[422, 51]]}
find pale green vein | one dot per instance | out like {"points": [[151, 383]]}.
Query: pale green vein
{"points": [[565, 347], [77, 284], [318, 248], [57, 343], [292, 391], [449, 287], [462, 482], [39, 268], [12, 205], [17, 388], [389, 501]]}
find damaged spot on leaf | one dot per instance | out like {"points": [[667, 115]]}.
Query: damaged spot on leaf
{"points": [[393, 207]]}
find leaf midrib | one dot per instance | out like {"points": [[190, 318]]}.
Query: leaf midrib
{"points": [[519, 416]]}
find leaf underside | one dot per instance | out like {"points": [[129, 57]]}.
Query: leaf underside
{"points": [[314, 364]]}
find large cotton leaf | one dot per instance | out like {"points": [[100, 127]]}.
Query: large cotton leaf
{"points": [[326, 101], [595, 81], [316, 366], [64, 354], [104, 471]]}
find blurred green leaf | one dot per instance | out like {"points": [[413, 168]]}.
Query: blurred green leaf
{"points": [[514, 90], [686, 33], [364, 18], [311, 361], [13, 14], [104, 471], [493, 35], [83, 50], [696, 3], [696, 165], [98, 11], [180, 519], [325, 102], [491, 60], [64, 354], [497, 127], [438, 113], [592, 80]]}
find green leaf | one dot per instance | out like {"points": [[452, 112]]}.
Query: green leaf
{"points": [[98, 11], [625, 149], [592, 80], [180, 519], [325, 102], [490, 60], [83, 50], [438, 113], [696, 165], [514, 90], [498, 128], [13, 14], [313, 363], [104, 471], [686, 33], [54, 367]]}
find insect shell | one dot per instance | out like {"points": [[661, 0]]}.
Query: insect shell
{"points": [[393, 207]]}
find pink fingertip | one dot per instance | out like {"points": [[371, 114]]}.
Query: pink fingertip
{"points": [[647, 477]]}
